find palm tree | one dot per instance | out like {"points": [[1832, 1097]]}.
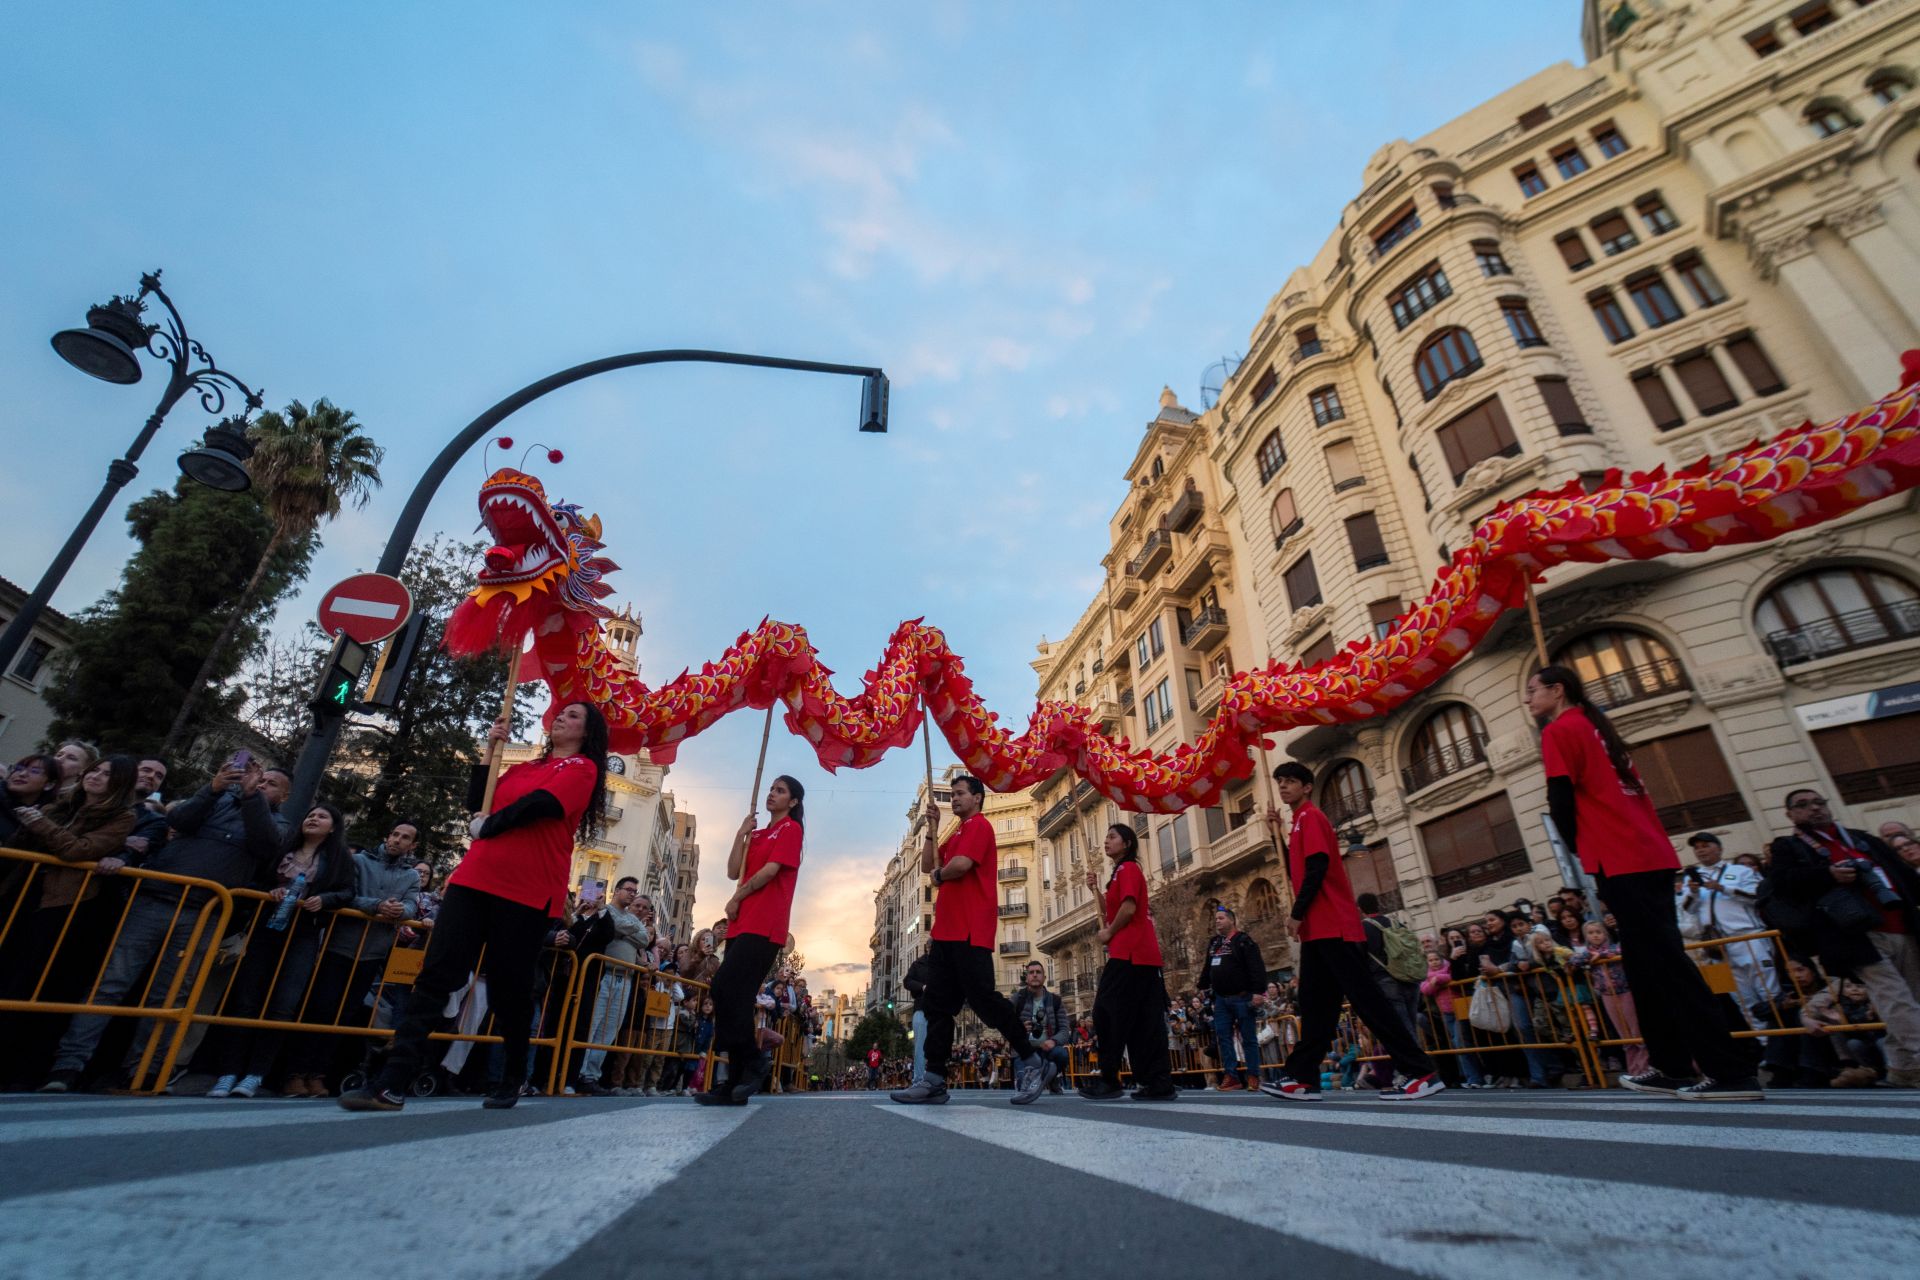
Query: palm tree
{"points": [[307, 464]]}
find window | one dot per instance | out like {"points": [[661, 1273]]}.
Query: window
{"points": [[1562, 407], [1874, 759], [1608, 139], [1317, 652], [1447, 355], [1573, 250], [1451, 740], [1487, 254], [1273, 456], [1531, 183], [1475, 846], [1420, 294], [1613, 321], [1308, 339], [1160, 704], [1809, 18], [1620, 667], [1403, 223], [1658, 400], [1141, 656], [1443, 195], [1706, 386], [1303, 584], [1382, 614], [1654, 212], [1520, 323], [1829, 118], [1568, 160], [1363, 535], [1888, 87], [1763, 42], [1699, 279], [1372, 872], [1347, 794], [1286, 518], [1836, 610], [1343, 466], [1754, 365], [1264, 388], [1326, 405], [1263, 902], [1182, 842], [1655, 301], [1156, 635], [31, 659], [1613, 233], [1480, 433], [1688, 781]]}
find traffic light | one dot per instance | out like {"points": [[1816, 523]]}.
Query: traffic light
{"points": [[333, 696], [889, 1006], [390, 673]]}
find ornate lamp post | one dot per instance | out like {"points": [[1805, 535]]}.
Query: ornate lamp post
{"points": [[106, 349]]}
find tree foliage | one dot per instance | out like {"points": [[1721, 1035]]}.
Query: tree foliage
{"points": [[882, 1028]]}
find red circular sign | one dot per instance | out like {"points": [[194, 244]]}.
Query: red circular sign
{"points": [[368, 607]]}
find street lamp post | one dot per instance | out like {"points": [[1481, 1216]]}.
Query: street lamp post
{"points": [[107, 349], [325, 733]]}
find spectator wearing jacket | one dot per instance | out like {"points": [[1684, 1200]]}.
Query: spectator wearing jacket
{"points": [[1404, 995], [1233, 974], [623, 936], [149, 815], [1438, 987], [1045, 1019], [1836, 1012], [1824, 858], [225, 833], [1720, 899], [1505, 951]]}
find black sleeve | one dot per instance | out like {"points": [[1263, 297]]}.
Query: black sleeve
{"points": [[1309, 884], [1560, 804], [531, 807], [1256, 967]]}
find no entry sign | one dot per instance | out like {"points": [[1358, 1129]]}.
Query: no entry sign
{"points": [[368, 607]]}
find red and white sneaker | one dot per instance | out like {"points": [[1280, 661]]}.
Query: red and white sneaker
{"points": [[1289, 1088], [1413, 1090]]}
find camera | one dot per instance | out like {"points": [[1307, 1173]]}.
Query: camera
{"points": [[1883, 891]]}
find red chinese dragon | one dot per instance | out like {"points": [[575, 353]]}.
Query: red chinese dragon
{"points": [[545, 577]]}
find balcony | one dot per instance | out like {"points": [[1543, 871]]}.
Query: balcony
{"points": [[1208, 696], [1154, 554], [1502, 866], [1126, 587], [1343, 810], [1058, 816], [1099, 665], [1845, 632], [1015, 948], [1455, 757], [1637, 684], [1079, 688], [1305, 351], [1208, 628], [1009, 875], [1066, 988], [1186, 509], [1249, 840], [1011, 910], [1194, 569], [1126, 702]]}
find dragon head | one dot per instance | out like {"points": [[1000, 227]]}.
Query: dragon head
{"points": [[540, 546]]}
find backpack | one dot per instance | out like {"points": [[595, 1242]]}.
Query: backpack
{"points": [[1405, 961]]}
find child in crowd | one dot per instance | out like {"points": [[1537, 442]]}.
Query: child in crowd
{"points": [[1599, 958]]}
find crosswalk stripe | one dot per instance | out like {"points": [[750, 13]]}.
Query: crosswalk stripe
{"points": [[159, 1118], [1899, 1109], [1442, 1220], [1433, 1118], [506, 1203]]}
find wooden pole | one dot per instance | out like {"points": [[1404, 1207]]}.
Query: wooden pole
{"points": [[1533, 615], [926, 745], [766, 732], [496, 751]]}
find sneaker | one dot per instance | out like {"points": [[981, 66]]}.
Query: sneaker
{"points": [[754, 1077], [502, 1098], [1055, 1085], [1654, 1082], [925, 1090], [249, 1085], [223, 1087], [1413, 1090], [1166, 1093], [649, 1092], [1098, 1090], [368, 1098], [62, 1081], [1229, 1084], [1899, 1078], [592, 1088], [1711, 1090], [1856, 1078], [1032, 1078], [1292, 1090]]}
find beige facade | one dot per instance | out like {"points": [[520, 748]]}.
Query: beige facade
{"points": [[24, 715], [1708, 233]]}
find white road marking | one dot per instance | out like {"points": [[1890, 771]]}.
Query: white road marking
{"points": [[1900, 1107], [357, 608], [1475, 1218]]}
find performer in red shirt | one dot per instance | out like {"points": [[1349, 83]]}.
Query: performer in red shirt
{"points": [[502, 899], [966, 913], [1603, 814], [1130, 1007], [766, 862], [1333, 957]]}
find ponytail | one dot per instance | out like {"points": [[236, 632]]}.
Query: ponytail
{"points": [[1564, 679]]}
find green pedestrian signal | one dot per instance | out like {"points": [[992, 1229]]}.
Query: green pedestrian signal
{"points": [[340, 693], [333, 696], [889, 1006]]}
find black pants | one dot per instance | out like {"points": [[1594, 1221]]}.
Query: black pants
{"points": [[736, 984], [469, 921], [962, 976], [339, 996], [1130, 1014], [1329, 970], [1679, 1019]]}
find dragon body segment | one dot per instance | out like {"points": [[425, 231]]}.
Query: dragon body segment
{"points": [[545, 578]]}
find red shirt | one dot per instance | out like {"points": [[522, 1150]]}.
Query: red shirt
{"points": [[1838, 846], [873, 1057], [968, 909], [530, 864], [1619, 831], [767, 909], [1136, 942], [1332, 913]]}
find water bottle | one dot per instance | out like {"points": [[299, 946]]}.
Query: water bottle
{"points": [[290, 903]]}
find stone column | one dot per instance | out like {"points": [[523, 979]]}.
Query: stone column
{"points": [[1891, 261], [1861, 351]]}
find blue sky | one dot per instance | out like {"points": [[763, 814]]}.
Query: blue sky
{"points": [[1032, 216]]}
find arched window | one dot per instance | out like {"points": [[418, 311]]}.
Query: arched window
{"points": [[1272, 455], [1827, 611], [1827, 118], [1447, 355], [1159, 468], [1619, 667], [1263, 902], [1888, 87], [1347, 794], [1451, 740]]}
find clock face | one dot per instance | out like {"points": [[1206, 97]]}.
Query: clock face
{"points": [[616, 765]]}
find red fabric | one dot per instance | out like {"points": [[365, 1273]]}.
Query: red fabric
{"points": [[1892, 919], [968, 909], [1619, 831], [1332, 913], [873, 1056], [1136, 942], [767, 909], [530, 864]]}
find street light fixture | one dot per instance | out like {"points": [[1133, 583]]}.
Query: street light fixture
{"points": [[221, 460], [104, 349]]}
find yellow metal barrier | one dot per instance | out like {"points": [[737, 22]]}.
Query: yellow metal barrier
{"points": [[641, 1001]]}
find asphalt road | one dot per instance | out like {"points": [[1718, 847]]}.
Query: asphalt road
{"points": [[1467, 1185]]}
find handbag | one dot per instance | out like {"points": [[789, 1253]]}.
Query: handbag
{"points": [[1846, 909], [1488, 1011]]}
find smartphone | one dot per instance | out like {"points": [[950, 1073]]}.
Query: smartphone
{"points": [[592, 890], [240, 759]]}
